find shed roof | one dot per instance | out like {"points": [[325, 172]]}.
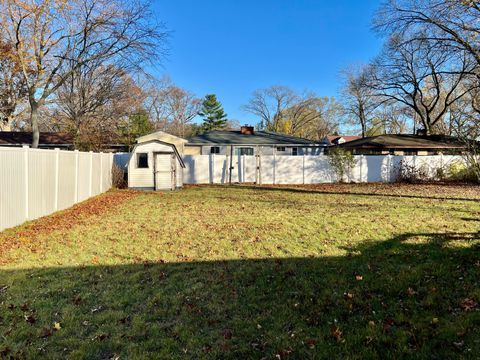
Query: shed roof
{"points": [[224, 137], [163, 136], [404, 141]]}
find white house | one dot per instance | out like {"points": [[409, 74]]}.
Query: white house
{"points": [[247, 141], [156, 162]]}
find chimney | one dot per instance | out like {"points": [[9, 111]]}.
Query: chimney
{"points": [[246, 130]]}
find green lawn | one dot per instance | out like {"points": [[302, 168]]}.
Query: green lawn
{"points": [[344, 271]]}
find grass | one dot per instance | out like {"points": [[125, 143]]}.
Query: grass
{"points": [[337, 271]]}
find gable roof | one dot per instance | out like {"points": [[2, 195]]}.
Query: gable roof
{"points": [[404, 141], [161, 135], [224, 137], [16, 138]]}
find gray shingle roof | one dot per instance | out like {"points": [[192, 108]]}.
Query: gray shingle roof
{"points": [[405, 141], [222, 137]]}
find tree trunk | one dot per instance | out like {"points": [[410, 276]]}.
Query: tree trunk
{"points": [[34, 123]]}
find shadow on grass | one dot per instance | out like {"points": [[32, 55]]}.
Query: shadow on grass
{"points": [[414, 295], [306, 190]]}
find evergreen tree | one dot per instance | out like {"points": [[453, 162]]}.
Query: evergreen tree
{"points": [[138, 124], [214, 117]]}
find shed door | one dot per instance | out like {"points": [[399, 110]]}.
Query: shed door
{"points": [[165, 171]]}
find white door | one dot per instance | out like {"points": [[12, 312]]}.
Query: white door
{"points": [[165, 171]]}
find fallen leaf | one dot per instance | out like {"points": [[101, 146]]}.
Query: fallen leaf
{"points": [[468, 304], [337, 334], [30, 318], [45, 332], [227, 334], [57, 326], [411, 292], [359, 277]]}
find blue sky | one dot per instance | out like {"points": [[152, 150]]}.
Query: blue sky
{"points": [[232, 47]]}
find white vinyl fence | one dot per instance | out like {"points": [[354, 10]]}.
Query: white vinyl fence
{"points": [[35, 182], [308, 169]]}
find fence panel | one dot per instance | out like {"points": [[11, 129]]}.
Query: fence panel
{"points": [[66, 179], [307, 169], [36, 182], [13, 192]]}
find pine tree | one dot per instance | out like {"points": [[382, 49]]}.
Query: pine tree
{"points": [[214, 117]]}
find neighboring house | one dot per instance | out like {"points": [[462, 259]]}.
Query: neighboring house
{"points": [[404, 145], [330, 140], [247, 141], [49, 140], [156, 162]]}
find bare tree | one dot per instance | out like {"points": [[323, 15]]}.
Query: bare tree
{"points": [[313, 117], [174, 109], [358, 98], [94, 97], [450, 23], [420, 76], [12, 85], [47, 34], [270, 105]]}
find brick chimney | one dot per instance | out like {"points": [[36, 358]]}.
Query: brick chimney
{"points": [[246, 130]]}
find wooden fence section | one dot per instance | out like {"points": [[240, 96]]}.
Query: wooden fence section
{"points": [[36, 182]]}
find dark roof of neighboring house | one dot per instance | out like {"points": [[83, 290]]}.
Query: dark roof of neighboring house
{"points": [[333, 138], [404, 141], [223, 137], [25, 138]]}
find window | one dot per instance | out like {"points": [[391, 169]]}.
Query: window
{"points": [[244, 151], [280, 148], [294, 151], [142, 160], [215, 150]]}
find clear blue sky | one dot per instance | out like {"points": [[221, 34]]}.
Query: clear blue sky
{"points": [[232, 47]]}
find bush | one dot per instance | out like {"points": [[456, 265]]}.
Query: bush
{"points": [[412, 174], [342, 162], [459, 171], [118, 177]]}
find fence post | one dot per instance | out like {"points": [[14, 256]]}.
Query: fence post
{"points": [[90, 178], [57, 160], [110, 168], [25, 159], [75, 191], [303, 170], [274, 164], [101, 172]]}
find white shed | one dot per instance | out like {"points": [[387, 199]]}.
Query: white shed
{"points": [[155, 165]]}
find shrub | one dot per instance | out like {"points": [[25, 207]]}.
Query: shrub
{"points": [[412, 174], [118, 177], [459, 171], [342, 162]]}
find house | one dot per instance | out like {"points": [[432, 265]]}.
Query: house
{"points": [[330, 140], [403, 144], [48, 140], [248, 141], [52, 140], [156, 163]]}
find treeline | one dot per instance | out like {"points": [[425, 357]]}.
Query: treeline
{"points": [[80, 67], [425, 80]]}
